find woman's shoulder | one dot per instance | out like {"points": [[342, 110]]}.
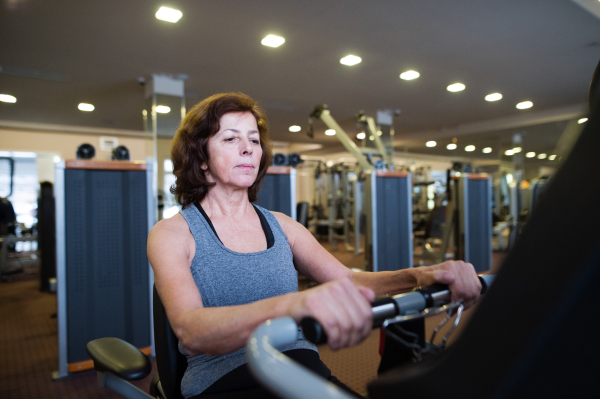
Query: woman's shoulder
{"points": [[170, 236], [171, 229]]}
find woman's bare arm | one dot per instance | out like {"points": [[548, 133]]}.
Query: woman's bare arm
{"points": [[315, 262], [220, 330]]}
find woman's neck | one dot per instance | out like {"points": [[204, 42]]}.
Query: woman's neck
{"points": [[223, 203]]}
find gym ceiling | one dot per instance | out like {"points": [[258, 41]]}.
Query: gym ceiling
{"points": [[57, 54]]}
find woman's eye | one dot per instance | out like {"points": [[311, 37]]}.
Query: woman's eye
{"points": [[256, 141], [229, 139]]}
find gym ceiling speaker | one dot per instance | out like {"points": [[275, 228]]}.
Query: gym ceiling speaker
{"points": [[121, 153], [85, 151]]}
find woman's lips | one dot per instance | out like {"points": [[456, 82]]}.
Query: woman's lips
{"points": [[246, 166]]}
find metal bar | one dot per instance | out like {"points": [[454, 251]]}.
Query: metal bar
{"points": [[122, 387], [374, 238], [465, 219], [378, 142], [152, 216], [408, 215], [346, 140], [293, 193], [277, 372], [61, 268]]}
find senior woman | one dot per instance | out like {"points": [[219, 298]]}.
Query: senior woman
{"points": [[223, 266]]}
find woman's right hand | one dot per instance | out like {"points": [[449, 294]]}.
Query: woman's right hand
{"points": [[343, 309]]}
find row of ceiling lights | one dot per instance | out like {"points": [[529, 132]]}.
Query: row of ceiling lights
{"points": [[165, 14], [7, 98], [488, 150]]}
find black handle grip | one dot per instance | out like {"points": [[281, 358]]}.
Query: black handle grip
{"points": [[313, 331]]}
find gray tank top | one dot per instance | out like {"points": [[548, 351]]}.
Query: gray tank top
{"points": [[228, 278]]}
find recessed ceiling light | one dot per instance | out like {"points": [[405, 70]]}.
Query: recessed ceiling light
{"points": [[431, 144], [163, 109], [272, 41], [524, 105], [295, 128], [409, 75], [56, 159], [85, 107], [371, 137], [487, 150], [451, 146], [509, 153], [582, 120], [530, 154], [493, 97], [330, 132], [168, 14], [7, 98], [456, 87], [350, 60], [361, 136], [542, 156], [552, 157], [470, 148], [379, 132], [517, 150]]}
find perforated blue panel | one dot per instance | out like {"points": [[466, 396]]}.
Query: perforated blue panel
{"points": [[394, 223], [275, 194], [106, 264], [478, 230]]}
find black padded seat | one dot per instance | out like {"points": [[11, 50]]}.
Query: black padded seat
{"points": [[171, 364], [118, 357]]}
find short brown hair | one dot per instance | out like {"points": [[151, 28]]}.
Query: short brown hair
{"points": [[189, 150]]}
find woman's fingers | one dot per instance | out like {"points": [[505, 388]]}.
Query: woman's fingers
{"points": [[343, 310], [460, 277]]}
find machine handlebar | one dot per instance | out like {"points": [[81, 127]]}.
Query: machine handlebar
{"points": [[398, 305]]}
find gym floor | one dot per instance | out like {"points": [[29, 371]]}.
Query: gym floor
{"points": [[29, 348]]}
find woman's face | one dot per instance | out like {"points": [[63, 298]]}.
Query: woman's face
{"points": [[234, 151]]}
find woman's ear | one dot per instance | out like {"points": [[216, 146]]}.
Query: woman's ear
{"points": [[204, 166]]}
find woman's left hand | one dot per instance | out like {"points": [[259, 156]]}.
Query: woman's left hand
{"points": [[459, 276]]}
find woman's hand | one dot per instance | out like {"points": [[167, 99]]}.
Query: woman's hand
{"points": [[460, 277], [343, 309]]}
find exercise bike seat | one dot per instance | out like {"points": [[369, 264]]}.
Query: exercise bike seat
{"points": [[118, 357]]}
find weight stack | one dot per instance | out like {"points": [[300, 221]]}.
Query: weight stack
{"points": [[103, 276]]}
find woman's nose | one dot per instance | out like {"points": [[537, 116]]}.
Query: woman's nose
{"points": [[247, 148]]}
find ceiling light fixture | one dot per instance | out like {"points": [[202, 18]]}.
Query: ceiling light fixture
{"points": [[409, 75], [582, 120], [456, 87], [350, 60], [530, 154], [163, 109], [470, 148], [451, 146], [431, 144], [552, 157], [487, 150], [524, 105], [517, 150], [542, 156], [272, 41], [493, 97], [361, 136], [330, 132], [509, 153], [7, 98], [168, 14], [295, 128], [85, 107]]}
